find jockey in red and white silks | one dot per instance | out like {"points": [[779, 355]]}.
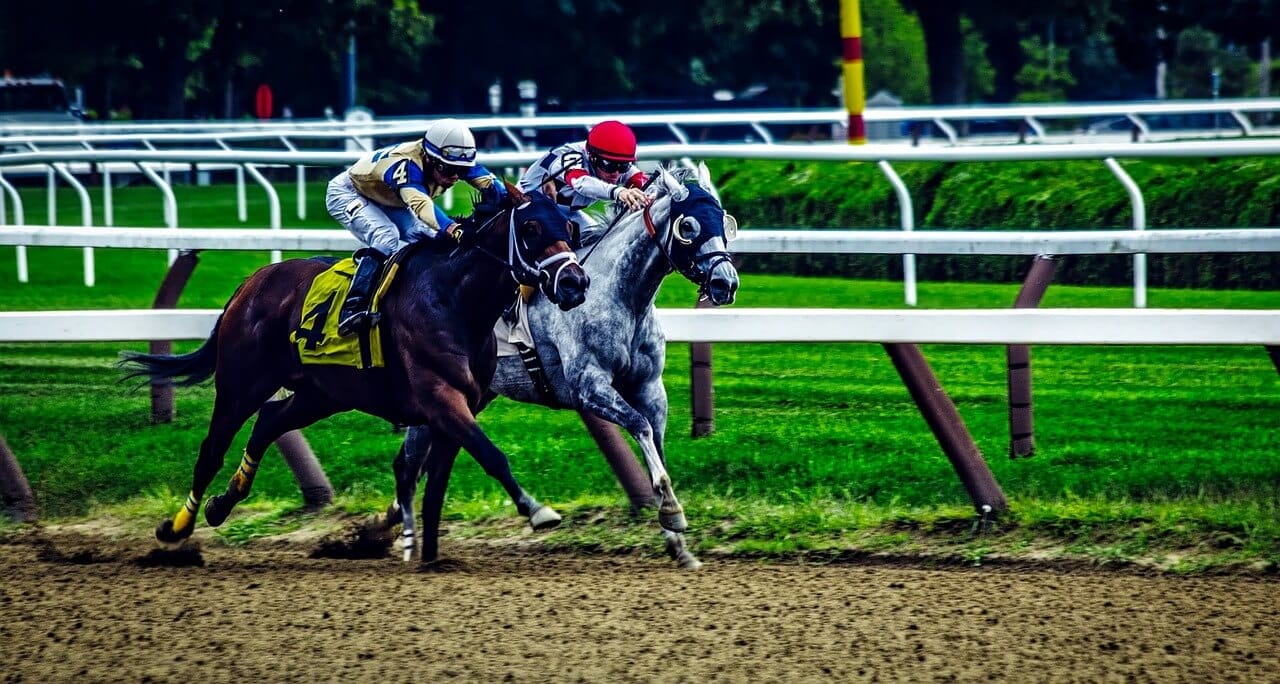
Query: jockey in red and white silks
{"points": [[600, 168]]}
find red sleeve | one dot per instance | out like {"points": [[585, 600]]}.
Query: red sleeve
{"points": [[637, 181], [574, 174]]}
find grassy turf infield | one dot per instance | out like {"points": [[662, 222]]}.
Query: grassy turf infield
{"points": [[1153, 455]]}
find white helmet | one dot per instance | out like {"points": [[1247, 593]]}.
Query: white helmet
{"points": [[450, 142]]}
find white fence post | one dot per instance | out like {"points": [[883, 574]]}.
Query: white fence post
{"points": [[907, 213], [170, 203], [86, 214], [19, 218], [1139, 223]]}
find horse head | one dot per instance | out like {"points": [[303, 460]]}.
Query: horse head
{"points": [[537, 246], [696, 234]]}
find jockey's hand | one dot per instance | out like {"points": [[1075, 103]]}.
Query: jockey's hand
{"points": [[490, 200], [634, 198], [452, 234], [447, 239]]}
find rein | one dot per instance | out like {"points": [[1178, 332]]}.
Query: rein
{"points": [[519, 268], [618, 219], [696, 274]]}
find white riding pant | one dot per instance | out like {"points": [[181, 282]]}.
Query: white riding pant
{"points": [[383, 228]]}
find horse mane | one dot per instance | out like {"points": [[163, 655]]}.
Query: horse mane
{"points": [[678, 171]]}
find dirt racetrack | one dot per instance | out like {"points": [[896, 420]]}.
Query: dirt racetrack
{"points": [[82, 609]]}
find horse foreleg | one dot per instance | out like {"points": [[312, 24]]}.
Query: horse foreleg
{"points": [[456, 423], [679, 551], [275, 418], [616, 451], [670, 513], [609, 405]]}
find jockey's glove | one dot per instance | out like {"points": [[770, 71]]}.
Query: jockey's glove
{"points": [[453, 234], [490, 201], [633, 198], [446, 239]]}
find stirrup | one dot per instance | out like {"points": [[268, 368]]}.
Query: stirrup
{"points": [[355, 323]]}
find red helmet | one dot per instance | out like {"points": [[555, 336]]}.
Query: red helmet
{"points": [[612, 140]]}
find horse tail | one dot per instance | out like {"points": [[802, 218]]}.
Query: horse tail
{"points": [[166, 369]]}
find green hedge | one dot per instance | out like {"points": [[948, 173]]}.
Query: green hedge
{"points": [[1071, 195]]}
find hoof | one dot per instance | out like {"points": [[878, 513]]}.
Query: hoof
{"points": [[315, 499], [686, 561], [673, 521], [217, 510], [166, 535], [545, 518], [444, 565]]}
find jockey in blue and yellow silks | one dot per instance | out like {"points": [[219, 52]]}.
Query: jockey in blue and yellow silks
{"points": [[386, 200]]}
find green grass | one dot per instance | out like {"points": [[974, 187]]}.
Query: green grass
{"points": [[1162, 455]]}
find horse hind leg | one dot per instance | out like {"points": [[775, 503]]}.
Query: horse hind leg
{"points": [[275, 418], [229, 414], [414, 451]]}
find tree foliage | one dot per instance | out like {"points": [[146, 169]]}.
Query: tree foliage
{"points": [[893, 45], [160, 58], [1046, 75]]}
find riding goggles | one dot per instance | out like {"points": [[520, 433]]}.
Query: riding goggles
{"points": [[609, 165], [458, 153]]}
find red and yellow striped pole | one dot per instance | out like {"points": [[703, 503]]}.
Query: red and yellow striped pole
{"points": [[855, 93]]}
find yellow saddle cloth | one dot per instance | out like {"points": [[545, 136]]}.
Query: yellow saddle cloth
{"points": [[316, 337]]}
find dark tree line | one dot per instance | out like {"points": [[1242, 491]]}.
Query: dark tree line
{"points": [[177, 59]]}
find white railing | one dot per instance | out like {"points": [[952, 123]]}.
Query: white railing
{"points": [[752, 241], [882, 155], [949, 326], [1018, 326], [1228, 117]]}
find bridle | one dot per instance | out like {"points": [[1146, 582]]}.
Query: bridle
{"points": [[697, 273], [525, 273]]}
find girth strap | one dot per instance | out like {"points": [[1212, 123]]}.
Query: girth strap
{"points": [[538, 374]]}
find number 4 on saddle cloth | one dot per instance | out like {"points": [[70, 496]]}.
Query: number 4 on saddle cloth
{"points": [[316, 338]]}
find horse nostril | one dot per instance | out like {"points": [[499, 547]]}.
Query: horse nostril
{"points": [[722, 290]]}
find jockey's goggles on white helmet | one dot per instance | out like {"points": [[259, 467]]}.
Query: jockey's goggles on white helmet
{"points": [[450, 146]]}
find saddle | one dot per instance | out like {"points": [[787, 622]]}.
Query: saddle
{"points": [[515, 338], [316, 338]]}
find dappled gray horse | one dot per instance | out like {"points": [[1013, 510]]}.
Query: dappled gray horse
{"points": [[606, 357]]}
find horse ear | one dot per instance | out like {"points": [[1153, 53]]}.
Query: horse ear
{"points": [[513, 191], [704, 180], [675, 188]]}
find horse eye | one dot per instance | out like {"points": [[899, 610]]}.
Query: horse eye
{"points": [[730, 227], [687, 229], [529, 227]]}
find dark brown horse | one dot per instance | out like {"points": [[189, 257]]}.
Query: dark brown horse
{"points": [[437, 340]]}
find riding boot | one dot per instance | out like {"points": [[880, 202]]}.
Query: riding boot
{"points": [[354, 316]]}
